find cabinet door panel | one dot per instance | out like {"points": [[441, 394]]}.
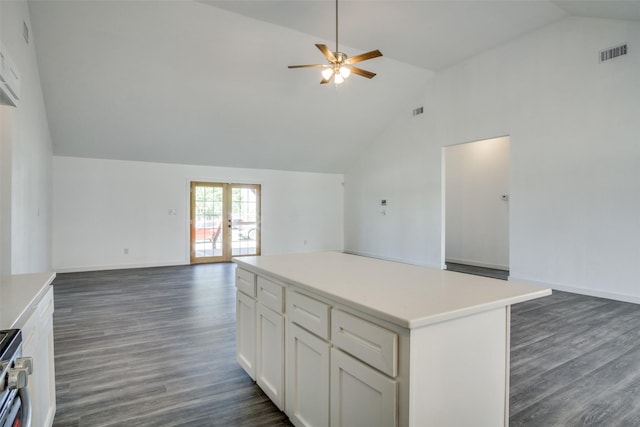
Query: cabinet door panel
{"points": [[246, 333], [270, 354], [38, 343], [307, 378], [360, 395]]}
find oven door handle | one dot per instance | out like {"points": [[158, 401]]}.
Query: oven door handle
{"points": [[26, 407]]}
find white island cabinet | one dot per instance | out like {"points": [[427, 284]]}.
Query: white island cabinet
{"points": [[246, 321], [260, 332], [369, 342]]}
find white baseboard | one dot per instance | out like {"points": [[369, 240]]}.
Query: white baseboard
{"points": [[114, 267], [478, 264], [582, 291]]}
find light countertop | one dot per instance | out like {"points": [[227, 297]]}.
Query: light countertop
{"points": [[407, 295], [19, 294]]}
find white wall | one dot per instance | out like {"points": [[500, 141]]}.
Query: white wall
{"points": [[26, 207], [477, 218], [104, 206], [6, 142], [574, 176]]}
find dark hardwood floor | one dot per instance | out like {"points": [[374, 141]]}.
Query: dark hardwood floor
{"points": [[575, 361], [156, 347], [152, 347], [478, 271]]}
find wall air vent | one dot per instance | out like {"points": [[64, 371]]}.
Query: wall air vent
{"points": [[614, 52], [418, 111]]}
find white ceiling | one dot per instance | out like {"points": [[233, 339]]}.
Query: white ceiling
{"points": [[206, 82]]}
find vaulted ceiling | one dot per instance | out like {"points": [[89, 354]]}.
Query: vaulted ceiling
{"points": [[206, 82]]}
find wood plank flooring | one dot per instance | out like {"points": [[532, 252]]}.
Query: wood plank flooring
{"points": [[575, 361], [478, 271], [156, 347], [152, 347]]}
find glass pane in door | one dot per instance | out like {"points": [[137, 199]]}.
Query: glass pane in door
{"points": [[207, 211], [244, 220]]}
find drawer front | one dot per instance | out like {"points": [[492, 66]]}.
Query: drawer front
{"points": [[367, 341], [246, 282], [309, 313], [271, 294]]}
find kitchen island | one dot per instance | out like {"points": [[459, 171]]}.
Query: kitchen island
{"points": [[344, 340]]}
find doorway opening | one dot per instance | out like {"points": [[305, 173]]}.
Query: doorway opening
{"points": [[476, 207], [225, 221]]}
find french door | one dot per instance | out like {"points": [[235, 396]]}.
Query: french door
{"points": [[225, 221]]}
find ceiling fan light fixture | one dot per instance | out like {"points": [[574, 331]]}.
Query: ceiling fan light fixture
{"points": [[340, 65]]}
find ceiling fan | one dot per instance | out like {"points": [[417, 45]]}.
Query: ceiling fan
{"points": [[340, 65]]}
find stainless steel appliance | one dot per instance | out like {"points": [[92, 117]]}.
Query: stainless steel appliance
{"points": [[15, 407]]}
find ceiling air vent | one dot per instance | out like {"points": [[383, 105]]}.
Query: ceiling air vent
{"points": [[418, 111], [614, 52]]}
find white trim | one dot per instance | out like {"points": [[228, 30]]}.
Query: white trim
{"points": [[443, 207], [578, 290], [117, 267]]}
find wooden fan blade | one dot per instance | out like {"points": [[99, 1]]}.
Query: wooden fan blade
{"points": [[326, 52], [325, 81], [364, 56], [360, 71], [309, 66]]}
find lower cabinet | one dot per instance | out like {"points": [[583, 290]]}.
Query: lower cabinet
{"points": [[307, 378], [270, 354], [246, 333], [37, 335], [350, 364], [260, 333], [340, 369], [361, 395]]}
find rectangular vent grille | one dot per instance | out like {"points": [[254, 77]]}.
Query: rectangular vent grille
{"points": [[614, 52], [418, 111]]}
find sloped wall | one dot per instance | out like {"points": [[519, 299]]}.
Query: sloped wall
{"points": [[574, 155], [26, 199]]}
